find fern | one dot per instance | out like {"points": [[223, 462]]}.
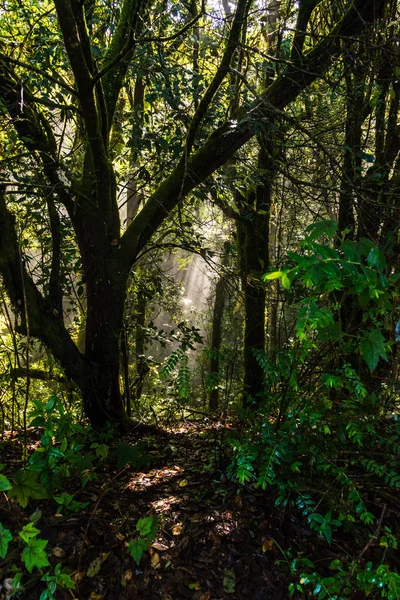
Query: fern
{"points": [[171, 362]]}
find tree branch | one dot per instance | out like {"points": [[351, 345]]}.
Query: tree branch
{"points": [[44, 323], [226, 140]]}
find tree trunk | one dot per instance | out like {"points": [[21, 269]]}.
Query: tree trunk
{"points": [[253, 248], [216, 339], [106, 289]]}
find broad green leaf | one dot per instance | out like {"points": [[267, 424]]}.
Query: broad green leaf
{"points": [[4, 484], [327, 228], [28, 532], [376, 259], [66, 581], [50, 404], [147, 526], [286, 281], [372, 348], [27, 486], [369, 158], [274, 275], [351, 250], [5, 539], [34, 555], [38, 422], [136, 548]]}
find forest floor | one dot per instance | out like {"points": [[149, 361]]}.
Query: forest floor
{"points": [[215, 540]]}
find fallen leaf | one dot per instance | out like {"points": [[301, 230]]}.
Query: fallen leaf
{"points": [[238, 501], [155, 561], [78, 576], [58, 552], [268, 545], [128, 576], [197, 518], [94, 596], [183, 483], [119, 536], [177, 529], [205, 596], [159, 547], [229, 581], [104, 556], [94, 567]]}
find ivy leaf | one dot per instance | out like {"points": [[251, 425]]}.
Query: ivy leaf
{"points": [[4, 484], [5, 539], [26, 486], [34, 555], [372, 348], [147, 527], [136, 548], [28, 532]]}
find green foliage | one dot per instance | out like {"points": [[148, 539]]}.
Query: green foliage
{"points": [[326, 279], [5, 539], [176, 365], [33, 555], [135, 456], [309, 442], [4, 484], [66, 501], [60, 579], [147, 528], [26, 485]]}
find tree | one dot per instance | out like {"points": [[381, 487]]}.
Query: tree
{"points": [[65, 124]]}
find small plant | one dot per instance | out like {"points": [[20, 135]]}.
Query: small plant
{"points": [[147, 528], [33, 556], [66, 501]]}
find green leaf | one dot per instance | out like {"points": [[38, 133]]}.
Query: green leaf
{"points": [[5, 539], [372, 348], [4, 484], [38, 422], [286, 281], [66, 581], [147, 527], [50, 404], [274, 275], [27, 486], [327, 228], [376, 259], [136, 548], [28, 532], [34, 555]]}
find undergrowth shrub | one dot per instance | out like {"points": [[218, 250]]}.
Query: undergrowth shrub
{"points": [[325, 436]]}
